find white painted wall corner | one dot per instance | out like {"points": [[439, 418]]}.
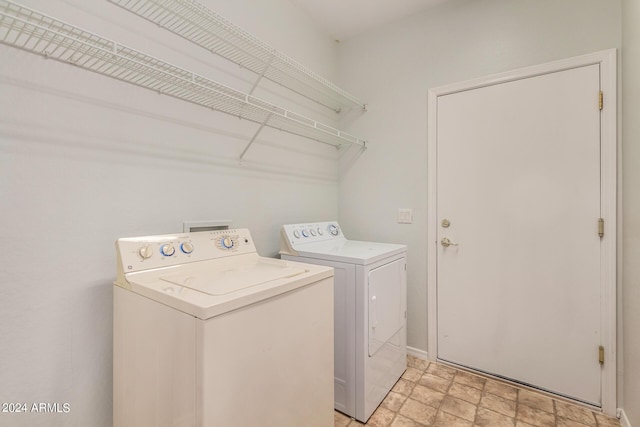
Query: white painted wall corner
{"points": [[624, 421]]}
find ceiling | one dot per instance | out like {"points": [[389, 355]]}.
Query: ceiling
{"points": [[344, 19]]}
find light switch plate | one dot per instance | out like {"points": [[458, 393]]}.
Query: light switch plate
{"points": [[405, 216]]}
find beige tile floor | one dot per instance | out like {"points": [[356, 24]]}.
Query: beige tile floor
{"points": [[433, 394]]}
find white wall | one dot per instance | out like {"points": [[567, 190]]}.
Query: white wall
{"points": [[85, 159], [631, 201], [393, 67]]}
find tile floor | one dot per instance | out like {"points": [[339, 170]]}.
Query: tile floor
{"points": [[432, 394]]}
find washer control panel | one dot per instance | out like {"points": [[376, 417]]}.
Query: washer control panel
{"points": [[143, 253], [298, 234]]}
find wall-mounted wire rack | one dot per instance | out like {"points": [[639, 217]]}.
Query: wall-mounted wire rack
{"points": [[211, 31], [36, 32]]}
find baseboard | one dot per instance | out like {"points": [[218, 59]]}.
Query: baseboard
{"points": [[624, 421], [420, 354]]}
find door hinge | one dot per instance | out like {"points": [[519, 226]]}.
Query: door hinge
{"points": [[600, 100], [600, 227], [601, 355]]}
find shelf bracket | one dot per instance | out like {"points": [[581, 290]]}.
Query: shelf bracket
{"points": [[255, 135], [266, 67]]}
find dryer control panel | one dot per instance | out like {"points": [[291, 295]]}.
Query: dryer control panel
{"points": [[147, 252], [294, 236], [312, 233]]}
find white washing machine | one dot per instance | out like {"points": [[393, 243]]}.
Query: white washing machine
{"points": [[370, 294], [208, 333]]}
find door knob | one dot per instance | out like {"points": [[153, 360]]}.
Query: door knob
{"points": [[446, 242]]}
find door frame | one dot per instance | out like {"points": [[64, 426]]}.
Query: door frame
{"points": [[607, 60]]}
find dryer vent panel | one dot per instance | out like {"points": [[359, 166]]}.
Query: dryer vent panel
{"points": [[212, 225]]}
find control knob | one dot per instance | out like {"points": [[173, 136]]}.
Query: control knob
{"points": [[167, 249], [305, 233], [227, 242], [145, 252], [186, 247], [333, 229]]}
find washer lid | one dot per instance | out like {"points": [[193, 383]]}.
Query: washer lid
{"points": [[232, 278], [350, 251], [206, 289]]}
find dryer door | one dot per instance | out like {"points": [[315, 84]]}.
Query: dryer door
{"points": [[386, 303]]}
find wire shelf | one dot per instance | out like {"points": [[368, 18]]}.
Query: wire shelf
{"points": [[211, 31], [36, 32]]}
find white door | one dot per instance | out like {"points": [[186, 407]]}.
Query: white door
{"points": [[518, 180], [386, 303]]}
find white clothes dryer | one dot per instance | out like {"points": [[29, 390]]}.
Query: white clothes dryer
{"points": [[208, 333], [370, 294]]}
